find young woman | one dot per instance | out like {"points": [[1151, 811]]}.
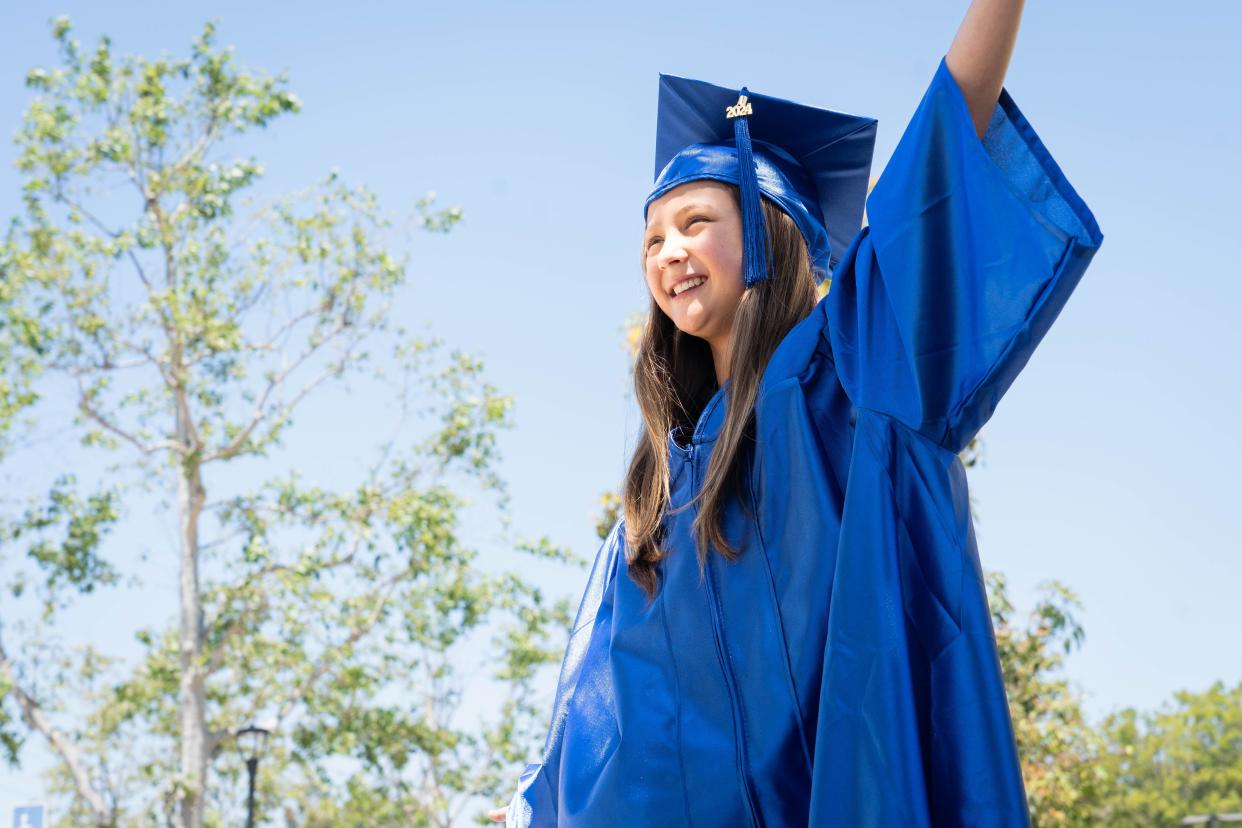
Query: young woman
{"points": [[788, 626]]}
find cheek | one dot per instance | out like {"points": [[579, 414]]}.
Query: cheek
{"points": [[652, 276], [724, 252]]}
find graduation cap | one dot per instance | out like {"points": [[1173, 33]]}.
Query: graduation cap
{"points": [[813, 163]]}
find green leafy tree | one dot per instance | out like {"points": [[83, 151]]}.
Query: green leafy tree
{"points": [[62, 532], [1182, 760], [189, 326], [1056, 745]]}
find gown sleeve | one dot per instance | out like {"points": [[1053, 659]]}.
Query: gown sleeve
{"points": [[536, 801], [972, 250]]}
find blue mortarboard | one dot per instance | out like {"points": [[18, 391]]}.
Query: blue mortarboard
{"points": [[813, 163]]}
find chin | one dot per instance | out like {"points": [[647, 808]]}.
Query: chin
{"points": [[692, 328]]}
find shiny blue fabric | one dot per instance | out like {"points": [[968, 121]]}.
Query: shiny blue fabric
{"points": [[814, 163], [843, 670]]}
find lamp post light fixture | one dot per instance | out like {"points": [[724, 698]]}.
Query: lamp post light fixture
{"points": [[252, 740]]}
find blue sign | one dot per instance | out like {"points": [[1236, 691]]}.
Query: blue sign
{"points": [[28, 816]]}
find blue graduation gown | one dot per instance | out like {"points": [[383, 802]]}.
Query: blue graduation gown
{"points": [[843, 671]]}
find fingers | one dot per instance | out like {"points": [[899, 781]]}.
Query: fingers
{"points": [[498, 814]]}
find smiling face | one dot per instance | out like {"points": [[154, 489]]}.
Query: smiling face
{"points": [[694, 232]]}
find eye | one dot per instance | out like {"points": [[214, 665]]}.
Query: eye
{"points": [[652, 241], [696, 218]]}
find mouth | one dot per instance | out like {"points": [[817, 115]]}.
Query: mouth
{"points": [[688, 290]]}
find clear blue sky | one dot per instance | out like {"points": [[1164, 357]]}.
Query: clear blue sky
{"points": [[1113, 462]]}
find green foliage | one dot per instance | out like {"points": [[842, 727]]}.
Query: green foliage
{"points": [[1134, 769], [1183, 759], [71, 560], [11, 736], [610, 511], [193, 324], [1055, 744]]}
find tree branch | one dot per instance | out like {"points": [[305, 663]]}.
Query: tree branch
{"points": [[326, 662], [89, 410], [37, 720], [258, 415]]}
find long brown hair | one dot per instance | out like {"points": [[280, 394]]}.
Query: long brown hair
{"points": [[674, 378]]}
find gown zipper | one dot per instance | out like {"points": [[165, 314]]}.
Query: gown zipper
{"points": [[722, 657]]}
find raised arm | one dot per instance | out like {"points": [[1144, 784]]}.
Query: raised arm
{"points": [[980, 54], [971, 249]]}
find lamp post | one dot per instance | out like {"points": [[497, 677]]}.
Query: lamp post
{"points": [[252, 739]]}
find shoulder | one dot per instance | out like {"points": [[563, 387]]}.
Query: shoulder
{"points": [[801, 391], [797, 352]]}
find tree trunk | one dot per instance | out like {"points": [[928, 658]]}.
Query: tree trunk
{"points": [[193, 697]]}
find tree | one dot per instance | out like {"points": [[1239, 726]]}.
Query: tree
{"points": [[1181, 760], [1056, 745], [190, 327]]}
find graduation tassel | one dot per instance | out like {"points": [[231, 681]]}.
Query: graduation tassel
{"points": [[754, 231]]}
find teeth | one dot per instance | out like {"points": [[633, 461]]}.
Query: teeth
{"points": [[682, 287]]}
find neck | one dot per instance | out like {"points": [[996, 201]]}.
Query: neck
{"points": [[721, 351]]}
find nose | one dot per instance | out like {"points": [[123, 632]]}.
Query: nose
{"points": [[671, 251]]}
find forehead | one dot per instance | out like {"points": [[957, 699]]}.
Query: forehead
{"points": [[706, 193]]}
